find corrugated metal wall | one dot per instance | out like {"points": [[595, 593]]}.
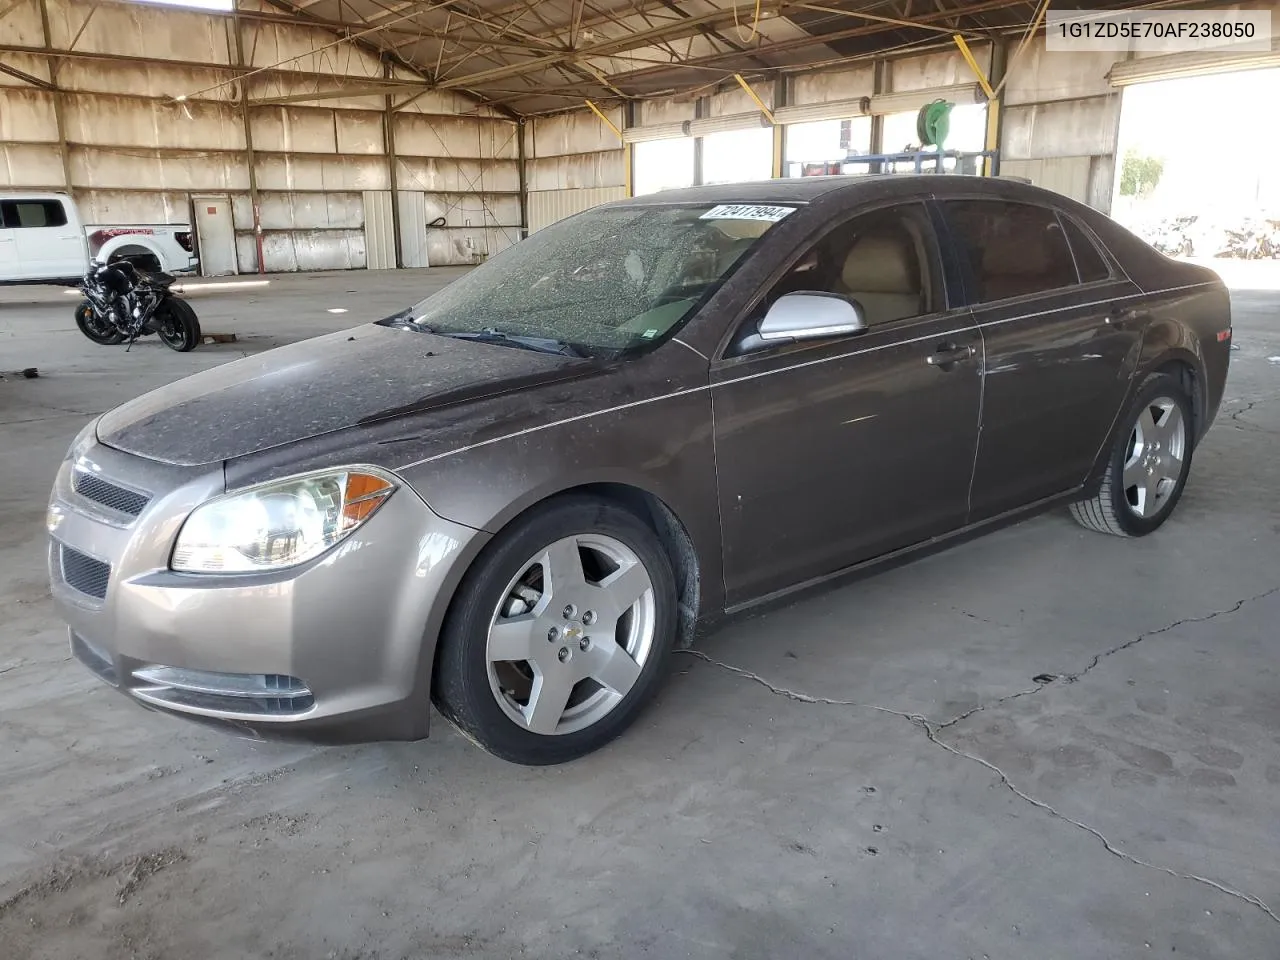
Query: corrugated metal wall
{"points": [[548, 206], [574, 161], [413, 228], [379, 231], [1061, 118], [136, 155]]}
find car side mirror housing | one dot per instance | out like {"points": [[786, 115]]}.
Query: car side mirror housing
{"points": [[810, 315]]}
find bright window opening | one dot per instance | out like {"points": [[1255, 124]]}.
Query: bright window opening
{"points": [[663, 165], [738, 156], [1170, 187], [820, 147], [967, 133]]}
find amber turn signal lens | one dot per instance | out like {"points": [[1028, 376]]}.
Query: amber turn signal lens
{"points": [[363, 494]]}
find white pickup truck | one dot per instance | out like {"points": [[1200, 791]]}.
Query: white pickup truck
{"points": [[43, 240]]}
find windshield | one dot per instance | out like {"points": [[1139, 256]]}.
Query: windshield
{"points": [[608, 280]]}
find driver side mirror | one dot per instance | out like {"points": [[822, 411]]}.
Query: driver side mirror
{"points": [[809, 315]]}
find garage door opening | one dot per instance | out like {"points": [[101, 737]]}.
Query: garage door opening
{"points": [[1196, 172]]}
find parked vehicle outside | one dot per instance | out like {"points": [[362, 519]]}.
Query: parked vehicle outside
{"points": [[44, 240], [517, 497]]}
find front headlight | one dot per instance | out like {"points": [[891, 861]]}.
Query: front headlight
{"points": [[278, 524]]}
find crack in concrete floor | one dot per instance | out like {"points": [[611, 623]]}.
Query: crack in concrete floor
{"points": [[1099, 657], [1237, 421], [931, 731]]}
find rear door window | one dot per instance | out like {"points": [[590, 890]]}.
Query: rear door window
{"points": [[33, 213], [1011, 249]]}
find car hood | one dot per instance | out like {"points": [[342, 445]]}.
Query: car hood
{"points": [[318, 386]]}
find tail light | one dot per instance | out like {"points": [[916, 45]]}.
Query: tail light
{"points": [[184, 240]]}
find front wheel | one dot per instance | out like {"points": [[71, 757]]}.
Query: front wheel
{"points": [[177, 325], [559, 634], [96, 327], [1148, 464]]}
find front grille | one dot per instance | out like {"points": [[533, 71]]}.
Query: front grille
{"points": [[101, 491], [85, 574]]}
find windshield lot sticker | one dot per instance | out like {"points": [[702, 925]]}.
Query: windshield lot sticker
{"points": [[746, 211]]}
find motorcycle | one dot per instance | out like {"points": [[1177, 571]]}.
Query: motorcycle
{"points": [[123, 303]]}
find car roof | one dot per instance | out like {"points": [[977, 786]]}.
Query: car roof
{"points": [[806, 190], [781, 190]]}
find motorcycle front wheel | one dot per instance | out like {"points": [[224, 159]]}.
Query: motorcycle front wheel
{"points": [[96, 328], [177, 326]]}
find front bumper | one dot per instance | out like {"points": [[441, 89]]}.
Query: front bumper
{"points": [[334, 650]]}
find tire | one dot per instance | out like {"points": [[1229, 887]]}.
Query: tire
{"points": [[481, 693], [95, 329], [177, 325], [1127, 509]]}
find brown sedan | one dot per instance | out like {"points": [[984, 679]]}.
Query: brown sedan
{"points": [[516, 497]]}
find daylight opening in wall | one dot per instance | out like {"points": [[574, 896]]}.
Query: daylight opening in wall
{"points": [[663, 165], [1174, 191], [820, 147], [737, 156], [967, 132]]}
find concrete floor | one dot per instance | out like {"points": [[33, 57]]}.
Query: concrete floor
{"points": [[782, 799]]}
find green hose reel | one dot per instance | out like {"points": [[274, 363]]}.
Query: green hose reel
{"points": [[933, 123]]}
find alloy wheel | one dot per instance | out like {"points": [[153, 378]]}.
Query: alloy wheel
{"points": [[1153, 466], [571, 634]]}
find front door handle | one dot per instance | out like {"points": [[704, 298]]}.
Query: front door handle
{"points": [[947, 354]]}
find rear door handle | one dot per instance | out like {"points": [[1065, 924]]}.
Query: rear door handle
{"points": [[947, 354]]}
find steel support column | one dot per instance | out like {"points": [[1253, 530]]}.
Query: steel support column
{"points": [[522, 172], [995, 107], [781, 98], [880, 83], [59, 107], [699, 112], [251, 159], [630, 118], [389, 142]]}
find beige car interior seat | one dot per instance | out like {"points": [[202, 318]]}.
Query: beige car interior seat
{"points": [[882, 274]]}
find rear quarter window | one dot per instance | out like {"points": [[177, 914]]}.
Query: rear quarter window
{"points": [[1089, 261]]}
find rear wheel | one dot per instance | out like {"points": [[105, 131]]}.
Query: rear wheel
{"points": [[96, 327], [559, 635], [1148, 464], [177, 326]]}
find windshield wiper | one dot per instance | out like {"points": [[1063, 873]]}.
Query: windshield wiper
{"points": [[540, 344]]}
